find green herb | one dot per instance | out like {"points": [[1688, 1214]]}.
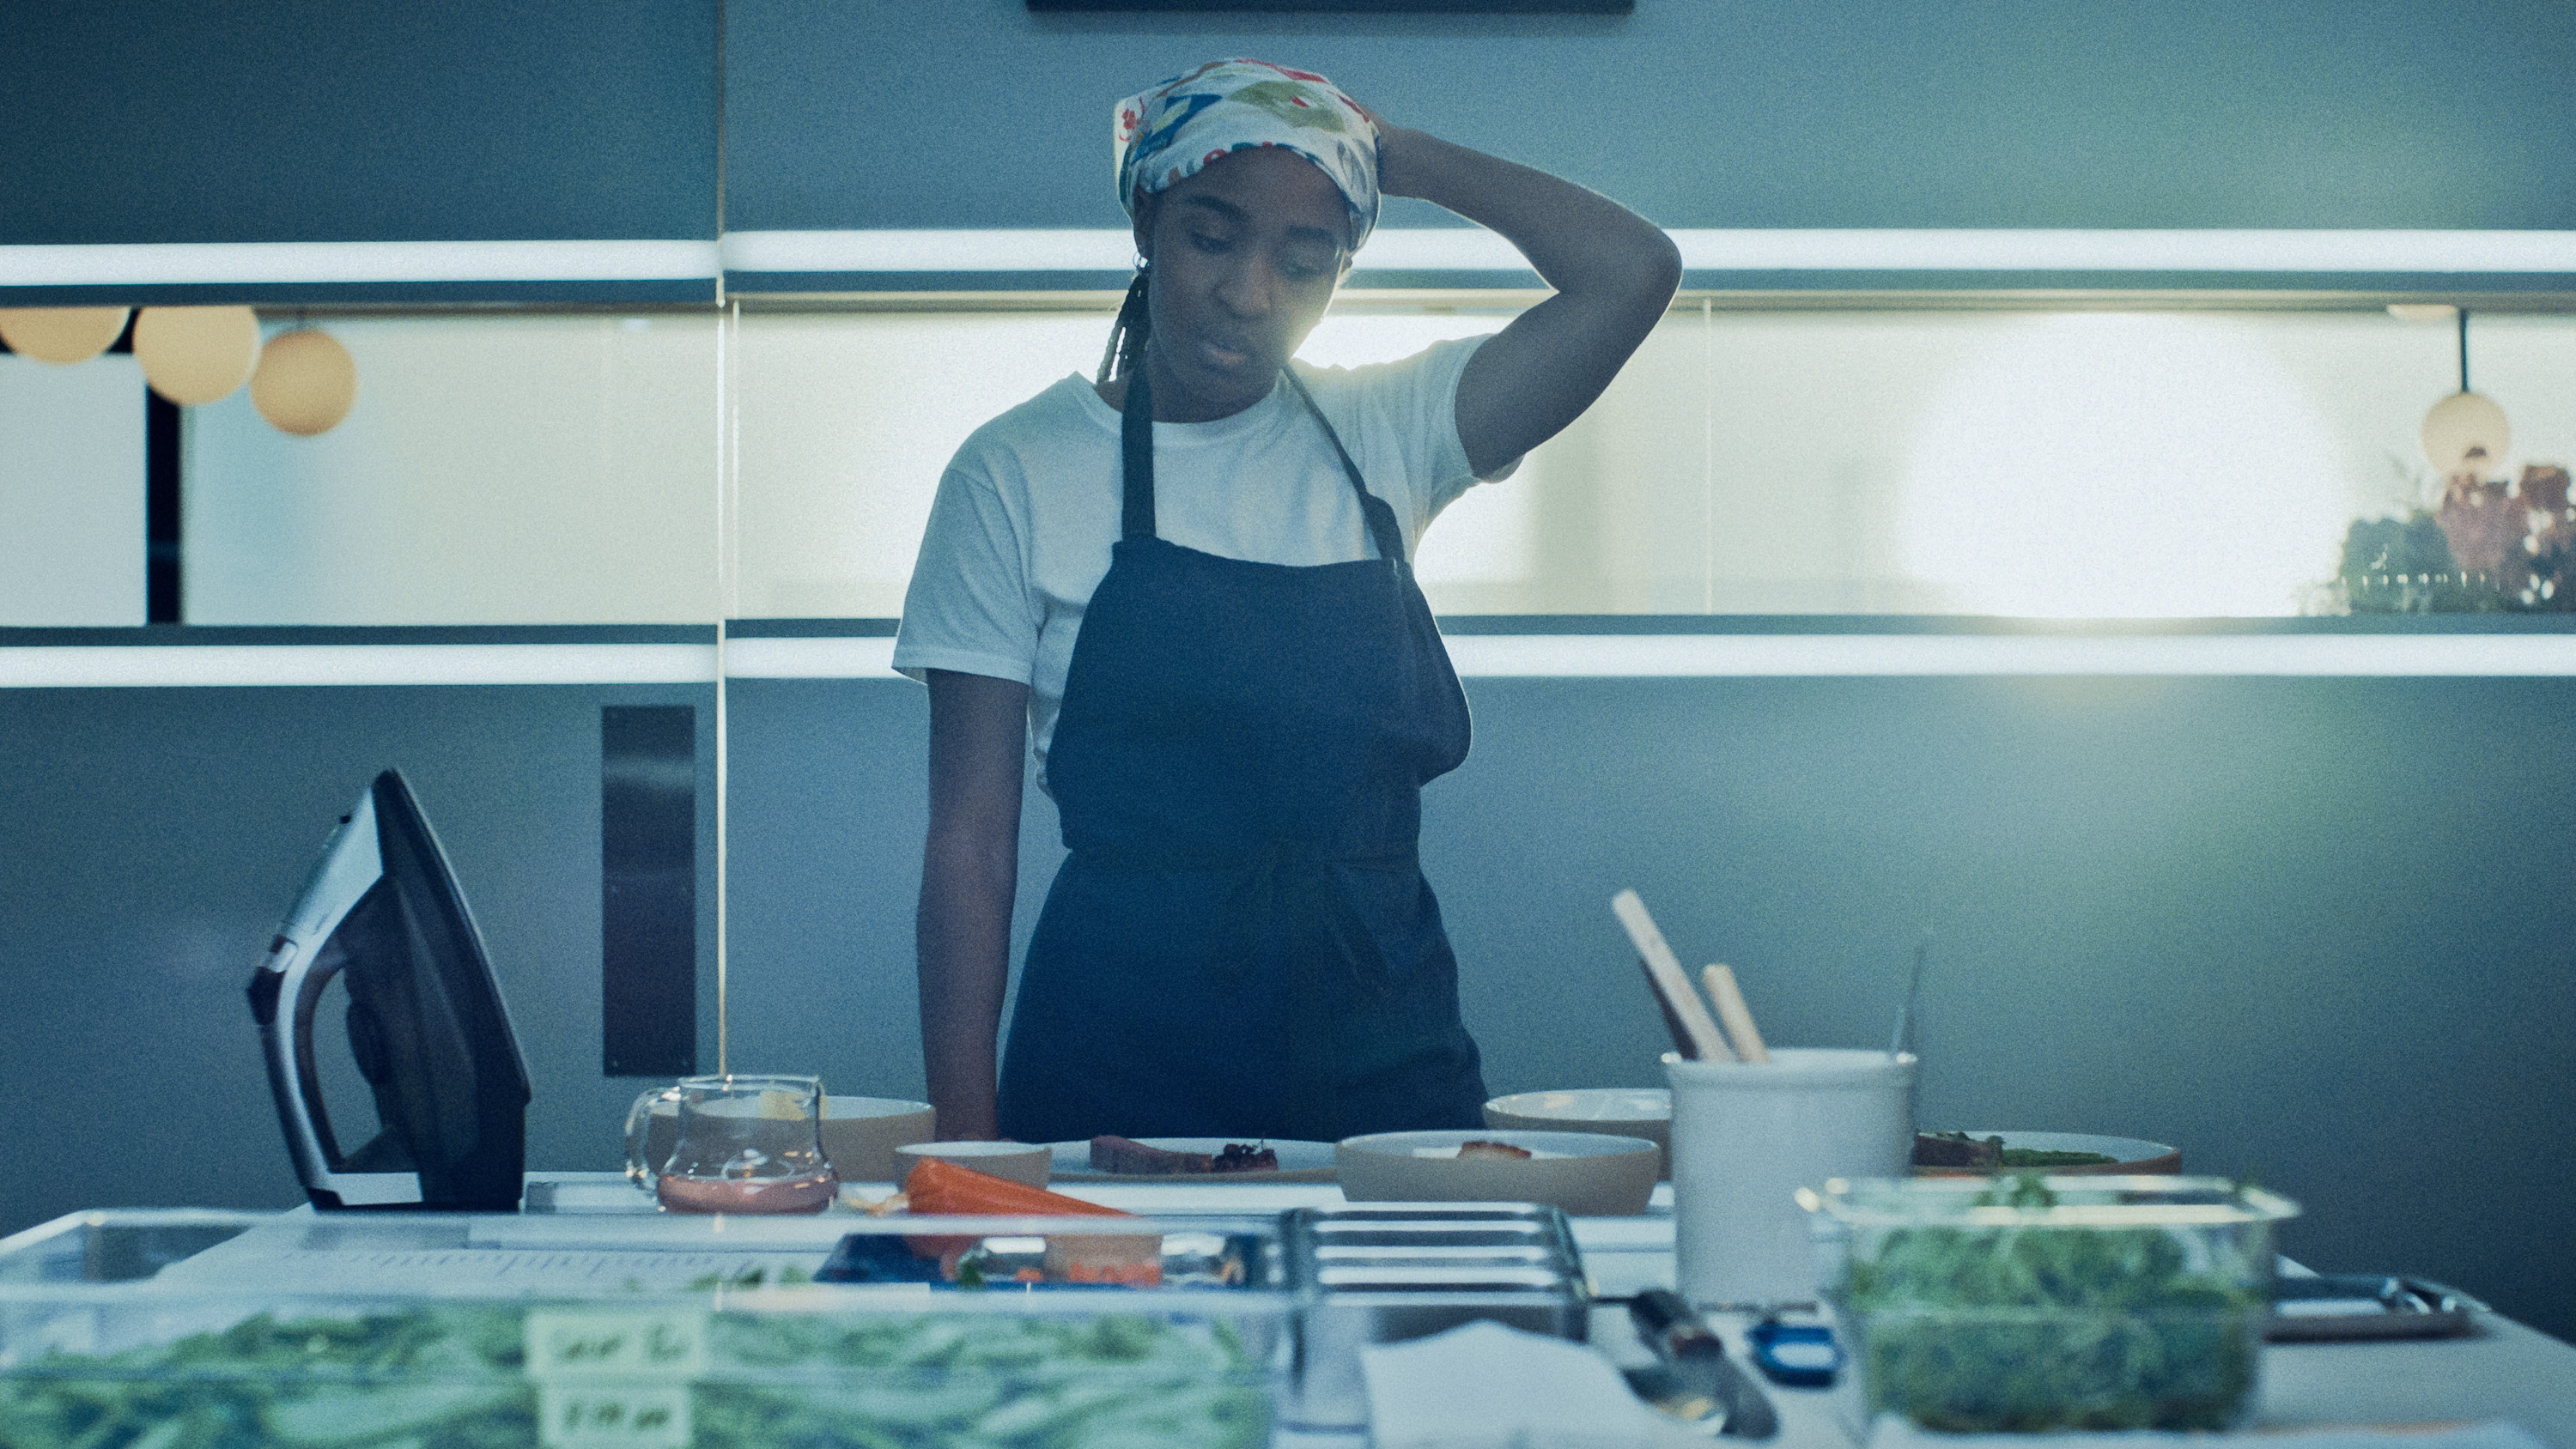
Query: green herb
{"points": [[2023, 1156], [450, 1378], [753, 1277], [2037, 1327]]}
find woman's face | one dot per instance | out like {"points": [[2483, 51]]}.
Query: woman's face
{"points": [[1245, 257]]}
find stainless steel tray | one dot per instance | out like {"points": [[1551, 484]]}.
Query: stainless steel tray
{"points": [[1393, 1271]]}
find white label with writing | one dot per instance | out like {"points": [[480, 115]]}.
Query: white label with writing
{"points": [[588, 1344], [581, 1414], [614, 1380]]}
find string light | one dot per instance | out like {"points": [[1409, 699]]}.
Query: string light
{"points": [[306, 381], [62, 335], [196, 355]]}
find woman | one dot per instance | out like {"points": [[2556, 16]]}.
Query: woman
{"points": [[1189, 578]]}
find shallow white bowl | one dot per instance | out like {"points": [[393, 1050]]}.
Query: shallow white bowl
{"points": [[1616, 1111], [1585, 1173], [860, 1135]]}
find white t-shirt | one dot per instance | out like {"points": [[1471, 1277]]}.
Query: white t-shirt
{"points": [[1020, 531]]}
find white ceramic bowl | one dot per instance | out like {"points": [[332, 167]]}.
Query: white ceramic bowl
{"points": [[1585, 1173], [1022, 1162], [1616, 1111], [860, 1135]]}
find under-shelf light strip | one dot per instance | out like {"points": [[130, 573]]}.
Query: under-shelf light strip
{"points": [[1438, 249], [1472, 249], [1492, 656], [286, 263]]}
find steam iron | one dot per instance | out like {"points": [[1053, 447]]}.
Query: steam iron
{"points": [[426, 1022]]}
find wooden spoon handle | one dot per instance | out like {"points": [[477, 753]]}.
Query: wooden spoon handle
{"points": [[1664, 971], [1737, 1016]]}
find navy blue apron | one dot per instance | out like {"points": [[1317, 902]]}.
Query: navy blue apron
{"points": [[1241, 943]]}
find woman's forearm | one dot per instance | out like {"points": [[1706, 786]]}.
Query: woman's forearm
{"points": [[964, 938], [970, 865], [1613, 272], [1576, 238]]}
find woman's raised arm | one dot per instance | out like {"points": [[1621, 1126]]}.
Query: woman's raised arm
{"points": [[1613, 272], [970, 866]]}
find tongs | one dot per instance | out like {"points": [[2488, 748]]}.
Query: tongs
{"points": [[1694, 1379]]}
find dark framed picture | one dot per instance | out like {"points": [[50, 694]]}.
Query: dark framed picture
{"points": [[1347, 7]]}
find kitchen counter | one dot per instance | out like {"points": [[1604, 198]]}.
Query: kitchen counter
{"points": [[2504, 1371]]}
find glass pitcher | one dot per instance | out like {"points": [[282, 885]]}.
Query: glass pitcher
{"points": [[732, 1144]]}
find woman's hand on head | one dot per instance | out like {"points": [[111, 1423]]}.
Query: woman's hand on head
{"points": [[1395, 175]]}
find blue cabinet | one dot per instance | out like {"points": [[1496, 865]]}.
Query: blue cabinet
{"points": [[165, 151]]}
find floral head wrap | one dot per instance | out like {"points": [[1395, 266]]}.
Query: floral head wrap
{"points": [[1169, 131]]}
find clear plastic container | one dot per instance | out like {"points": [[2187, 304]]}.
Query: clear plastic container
{"points": [[2026, 1305], [203, 1330]]}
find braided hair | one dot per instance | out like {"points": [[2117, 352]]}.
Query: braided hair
{"points": [[1126, 350]]}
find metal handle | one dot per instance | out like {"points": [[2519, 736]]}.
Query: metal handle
{"points": [[1670, 1326]]}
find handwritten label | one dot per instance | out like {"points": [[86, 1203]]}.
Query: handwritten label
{"points": [[656, 1347], [614, 1380], [583, 1415]]}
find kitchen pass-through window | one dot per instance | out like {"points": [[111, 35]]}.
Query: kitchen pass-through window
{"points": [[577, 468]]}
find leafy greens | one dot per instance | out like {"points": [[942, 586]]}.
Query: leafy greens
{"points": [[2033, 1326], [451, 1377]]}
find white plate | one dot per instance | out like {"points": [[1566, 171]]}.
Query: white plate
{"points": [[1298, 1161], [1589, 1104]]}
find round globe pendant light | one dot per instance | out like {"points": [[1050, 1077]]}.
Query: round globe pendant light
{"points": [[61, 334], [305, 382], [196, 355], [2465, 434]]}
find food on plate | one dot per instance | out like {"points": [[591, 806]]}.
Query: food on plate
{"points": [[939, 1187], [1130, 1158], [1101, 1258], [1502, 1151], [1989, 1154], [2045, 1157], [1957, 1150], [451, 1377]]}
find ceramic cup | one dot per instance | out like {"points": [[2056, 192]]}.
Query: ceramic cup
{"points": [[1746, 1138], [1023, 1162]]}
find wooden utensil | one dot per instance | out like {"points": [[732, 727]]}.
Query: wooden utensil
{"points": [[1737, 1016], [1698, 1036]]}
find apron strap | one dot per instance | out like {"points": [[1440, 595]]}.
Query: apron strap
{"points": [[1136, 447], [1381, 518], [1136, 443]]}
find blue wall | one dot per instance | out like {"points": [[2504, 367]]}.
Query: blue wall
{"points": [[150, 841], [1715, 113], [300, 120]]}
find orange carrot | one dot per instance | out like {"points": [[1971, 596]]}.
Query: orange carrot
{"points": [[945, 1188]]}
